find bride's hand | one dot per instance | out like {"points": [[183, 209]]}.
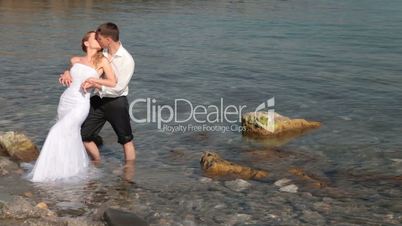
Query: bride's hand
{"points": [[65, 79]]}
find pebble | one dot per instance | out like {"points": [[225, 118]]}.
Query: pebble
{"points": [[273, 216], [237, 185], [282, 182], [220, 206], [28, 194], [322, 207], [205, 180], [42, 205], [291, 188], [313, 217], [307, 195], [238, 218]]}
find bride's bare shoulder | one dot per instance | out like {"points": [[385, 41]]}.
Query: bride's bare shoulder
{"points": [[104, 60], [75, 59]]}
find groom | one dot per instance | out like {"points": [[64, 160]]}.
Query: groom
{"points": [[109, 104]]}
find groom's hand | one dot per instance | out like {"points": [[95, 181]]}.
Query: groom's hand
{"points": [[89, 84], [65, 79], [86, 85]]}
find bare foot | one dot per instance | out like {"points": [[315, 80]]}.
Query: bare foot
{"points": [[129, 171]]}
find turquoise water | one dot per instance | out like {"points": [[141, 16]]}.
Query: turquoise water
{"points": [[337, 62]]}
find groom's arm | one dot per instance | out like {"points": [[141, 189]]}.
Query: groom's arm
{"points": [[124, 74]]}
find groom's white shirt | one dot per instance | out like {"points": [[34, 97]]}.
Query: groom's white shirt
{"points": [[123, 66]]}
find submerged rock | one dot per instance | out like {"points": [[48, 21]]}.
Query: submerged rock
{"points": [[308, 178], [271, 154], [18, 146], [214, 166], [237, 185], [115, 217], [259, 124]]}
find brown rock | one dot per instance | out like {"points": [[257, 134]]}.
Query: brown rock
{"points": [[18, 146], [42, 205], [214, 166], [257, 125], [28, 194], [310, 179]]}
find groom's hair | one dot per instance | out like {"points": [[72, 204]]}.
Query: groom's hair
{"points": [[109, 30]]}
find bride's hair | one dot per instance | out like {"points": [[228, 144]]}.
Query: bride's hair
{"points": [[96, 59]]}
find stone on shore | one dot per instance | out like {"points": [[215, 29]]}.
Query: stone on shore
{"points": [[259, 124], [22, 211], [20, 208], [214, 166], [7, 166], [115, 217], [18, 146], [61, 221]]}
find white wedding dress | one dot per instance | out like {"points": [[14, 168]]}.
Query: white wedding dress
{"points": [[63, 154]]}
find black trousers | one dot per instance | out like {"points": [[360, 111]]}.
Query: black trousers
{"points": [[113, 110]]}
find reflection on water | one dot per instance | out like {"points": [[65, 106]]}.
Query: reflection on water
{"points": [[337, 62]]}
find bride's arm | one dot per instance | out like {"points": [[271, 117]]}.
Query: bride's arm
{"points": [[65, 79], [110, 78]]}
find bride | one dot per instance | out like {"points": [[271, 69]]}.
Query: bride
{"points": [[63, 154]]}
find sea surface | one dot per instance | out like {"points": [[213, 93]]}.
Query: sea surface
{"points": [[336, 62]]}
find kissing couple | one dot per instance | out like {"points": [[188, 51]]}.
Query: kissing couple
{"points": [[104, 70]]}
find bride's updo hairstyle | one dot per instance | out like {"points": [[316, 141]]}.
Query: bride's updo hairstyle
{"points": [[96, 59]]}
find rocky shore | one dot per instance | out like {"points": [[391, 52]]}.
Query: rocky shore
{"points": [[17, 148], [266, 183]]}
